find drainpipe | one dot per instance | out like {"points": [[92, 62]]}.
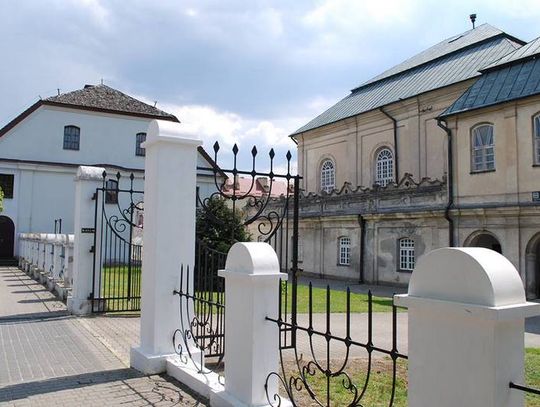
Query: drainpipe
{"points": [[443, 125], [394, 121], [362, 223]]}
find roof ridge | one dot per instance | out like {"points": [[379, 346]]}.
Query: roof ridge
{"points": [[424, 58]]}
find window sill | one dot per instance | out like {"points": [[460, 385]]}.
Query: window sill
{"points": [[343, 265], [536, 165], [481, 172], [405, 271]]}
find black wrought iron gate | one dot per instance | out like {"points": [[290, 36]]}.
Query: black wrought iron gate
{"points": [[118, 222], [265, 205]]}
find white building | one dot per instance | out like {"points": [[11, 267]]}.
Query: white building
{"points": [[41, 149]]}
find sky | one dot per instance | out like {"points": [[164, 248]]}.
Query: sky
{"points": [[249, 72]]}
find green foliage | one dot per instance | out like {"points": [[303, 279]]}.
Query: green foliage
{"points": [[219, 227]]}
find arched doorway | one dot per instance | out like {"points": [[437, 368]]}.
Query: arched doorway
{"points": [[532, 267], [484, 239], [7, 237]]}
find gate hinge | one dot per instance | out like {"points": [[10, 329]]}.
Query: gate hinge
{"points": [[94, 196], [90, 296], [92, 249]]}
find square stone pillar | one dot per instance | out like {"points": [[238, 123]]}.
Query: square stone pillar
{"points": [[169, 238], [466, 329]]}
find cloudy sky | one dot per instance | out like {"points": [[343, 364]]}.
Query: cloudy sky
{"points": [[245, 71]]}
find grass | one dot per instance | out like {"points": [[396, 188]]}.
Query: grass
{"points": [[380, 383], [115, 283], [338, 301]]}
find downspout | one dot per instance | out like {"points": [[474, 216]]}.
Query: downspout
{"points": [[394, 121], [362, 223], [443, 125]]}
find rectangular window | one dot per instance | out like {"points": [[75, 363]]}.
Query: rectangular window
{"points": [[406, 254], [483, 148], [344, 251], [111, 191], [140, 138], [6, 183], [71, 137]]}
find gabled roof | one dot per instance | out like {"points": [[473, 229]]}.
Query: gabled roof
{"points": [[454, 60], [510, 82], [441, 49], [97, 98]]}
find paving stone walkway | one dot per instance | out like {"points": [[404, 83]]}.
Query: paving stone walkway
{"points": [[49, 358]]}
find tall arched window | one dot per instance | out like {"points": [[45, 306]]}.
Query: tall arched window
{"points": [[328, 176], [483, 148], [72, 136], [384, 167], [344, 251], [536, 139], [406, 254]]}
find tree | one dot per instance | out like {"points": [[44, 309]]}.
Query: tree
{"points": [[218, 227], [1, 200]]}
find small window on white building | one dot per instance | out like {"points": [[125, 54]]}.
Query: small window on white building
{"points": [[6, 184], [344, 251], [140, 138], [384, 167], [328, 176], [483, 148], [111, 191], [536, 139], [406, 254], [72, 137]]}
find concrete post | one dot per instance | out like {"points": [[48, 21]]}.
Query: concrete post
{"points": [[49, 253], [466, 327], [86, 182], [68, 261], [169, 238], [57, 259], [252, 277]]}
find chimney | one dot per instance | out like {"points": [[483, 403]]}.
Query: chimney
{"points": [[473, 19]]}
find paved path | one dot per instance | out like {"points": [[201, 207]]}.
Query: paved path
{"points": [[48, 358]]}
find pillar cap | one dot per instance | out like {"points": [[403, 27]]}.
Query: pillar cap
{"points": [[252, 259], [87, 173], [467, 275], [170, 132]]}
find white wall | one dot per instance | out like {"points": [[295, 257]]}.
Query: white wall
{"points": [[44, 192]]}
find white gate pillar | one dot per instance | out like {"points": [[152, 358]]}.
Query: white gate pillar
{"points": [[86, 182], [252, 275], [169, 238], [466, 329]]}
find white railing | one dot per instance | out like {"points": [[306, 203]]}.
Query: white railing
{"points": [[48, 257]]}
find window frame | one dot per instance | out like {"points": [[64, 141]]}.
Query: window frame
{"points": [[327, 175], [484, 164], [139, 139], [344, 251], [389, 169], [10, 191], [72, 144], [406, 261], [536, 139], [111, 193]]}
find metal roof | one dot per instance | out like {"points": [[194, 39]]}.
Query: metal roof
{"points": [[445, 47], [510, 82], [443, 71], [527, 51]]}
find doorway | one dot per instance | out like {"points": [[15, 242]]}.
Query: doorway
{"points": [[486, 240], [7, 237]]}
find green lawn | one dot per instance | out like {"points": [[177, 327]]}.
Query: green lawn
{"points": [[338, 301], [380, 383], [115, 283]]}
